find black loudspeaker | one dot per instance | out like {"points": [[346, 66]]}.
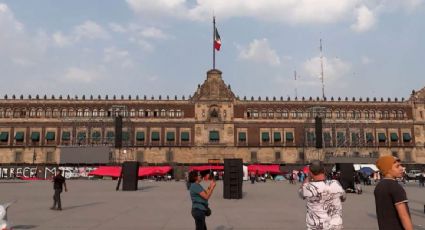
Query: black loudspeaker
{"points": [[347, 174], [118, 131], [318, 128], [233, 178], [130, 175]]}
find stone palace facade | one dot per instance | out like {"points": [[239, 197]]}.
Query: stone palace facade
{"points": [[214, 124]]}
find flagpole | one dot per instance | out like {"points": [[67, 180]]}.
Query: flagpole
{"points": [[213, 42]]}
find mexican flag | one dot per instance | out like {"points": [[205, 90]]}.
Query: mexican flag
{"points": [[217, 40]]}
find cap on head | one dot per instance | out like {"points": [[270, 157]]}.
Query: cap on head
{"points": [[385, 163], [317, 167]]}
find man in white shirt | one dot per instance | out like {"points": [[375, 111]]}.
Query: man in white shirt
{"points": [[324, 197]]}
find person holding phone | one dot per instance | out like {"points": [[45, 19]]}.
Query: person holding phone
{"points": [[324, 197], [200, 197]]}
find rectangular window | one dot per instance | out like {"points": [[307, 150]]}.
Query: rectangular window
{"points": [[19, 157], [289, 136], [253, 156], [19, 136], [140, 156], [170, 136], [66, 136], [50, 136], [242, 137], [110, 135], [50, 157], [4, 136], [393, 137], [140, 136], [95, 136], [277, 156], [81, 136], [35, 136], [155, 136], [382, 137], [277, 137], [340, 138], [369, 137], [354, 139], [184, 136], [169, 156], [406, 137], [214, 136], [265, 137]]}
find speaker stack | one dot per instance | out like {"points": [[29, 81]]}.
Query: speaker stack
{"points": [[347, 174], [233, 177], [118, 132], [318, 128], [130, 175]]}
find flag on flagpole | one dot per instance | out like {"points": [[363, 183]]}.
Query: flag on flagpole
{"points": [[217, 40]]}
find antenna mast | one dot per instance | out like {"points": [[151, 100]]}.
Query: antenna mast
{"points": [[321, 73], [295, 78]]}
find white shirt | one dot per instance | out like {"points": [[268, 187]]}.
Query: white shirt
{"points": [[324, 208]]}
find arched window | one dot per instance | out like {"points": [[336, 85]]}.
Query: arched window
{"points": [[71, 112], [1, 113], [179, 113], [9, 113], [366, 114], [101, 113], [172, 113], [372, 114], [271, 114], [132, 113], [163, 113], [141, 113], [386, 115], [87, 113], [48, 112], [64, 113], [255, 114], [285, 114], [248, 113], [79, 113], [264, 114], [95, 113], [278, 114], [400, 114], [39, 113], [56, 113]]}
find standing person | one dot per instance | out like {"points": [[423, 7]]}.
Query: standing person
{"points": [[200, 198], [391, 201], [422, 179], [58, 184], [324, 197]]}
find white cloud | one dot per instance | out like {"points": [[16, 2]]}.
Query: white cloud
{"points": [[334, 69], [75, 74], [153, 32], [88, 30], [364, 12], [366, 60], [113, 54], [365, 19], [260, 51], [61, 40], [117, 28]]}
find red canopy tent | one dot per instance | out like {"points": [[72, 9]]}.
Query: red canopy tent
{"points": [[261, 169], [115, 171], [206, 167], [154, 170]]}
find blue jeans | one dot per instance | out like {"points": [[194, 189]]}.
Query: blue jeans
{"points": [[199, 216]]}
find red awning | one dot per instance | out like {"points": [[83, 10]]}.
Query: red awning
{"points": [[154, 170], [115, 171], [261, 169], [206, 167]]}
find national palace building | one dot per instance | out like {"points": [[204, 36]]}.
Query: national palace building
{"points": [[213, 124]]}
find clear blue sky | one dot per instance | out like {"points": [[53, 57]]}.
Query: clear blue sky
{"points": [[164, 47]]}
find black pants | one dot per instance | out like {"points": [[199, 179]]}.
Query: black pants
{"points": [[57, 198], [199, 216]]}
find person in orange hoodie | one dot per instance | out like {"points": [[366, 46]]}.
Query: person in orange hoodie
{"points": [[391, 202]]}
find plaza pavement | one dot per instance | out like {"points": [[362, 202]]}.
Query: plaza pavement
{"points": [[95, 204]]}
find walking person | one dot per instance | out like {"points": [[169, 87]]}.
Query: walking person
{"points": [[324, 199], [200, 199], [391, 202], [58, 184]]}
